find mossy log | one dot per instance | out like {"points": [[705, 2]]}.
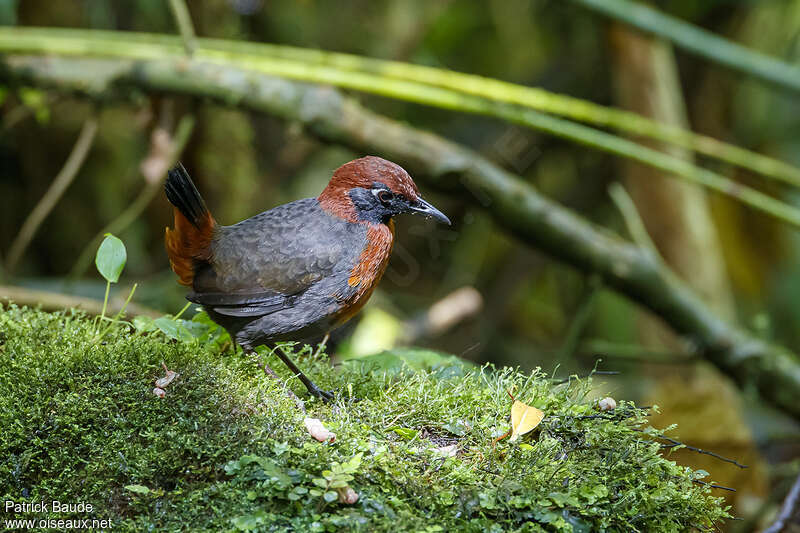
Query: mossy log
{"points": [[226, 447]]}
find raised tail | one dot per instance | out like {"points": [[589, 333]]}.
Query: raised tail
{"points": [[189, 242]]}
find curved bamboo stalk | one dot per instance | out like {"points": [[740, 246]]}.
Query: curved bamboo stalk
{"points": [[302, 62]]}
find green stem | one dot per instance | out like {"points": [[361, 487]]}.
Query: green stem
{"points": [[633, 221], [105, 302], [180, 11], [185, 307], [119, 313], [165, 70]]}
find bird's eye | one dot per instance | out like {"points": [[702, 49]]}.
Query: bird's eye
{"points": [[384, 196]]}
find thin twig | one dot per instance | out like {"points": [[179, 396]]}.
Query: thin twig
{"points": [[180, 11], [633, 352], [633, 220], [132, 212], [791, 506], [595, 373], [581, 317], [713, 485], [675, 443], [57, 189]]}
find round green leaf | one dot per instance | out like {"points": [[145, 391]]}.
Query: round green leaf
{"points": [[110, 258]]}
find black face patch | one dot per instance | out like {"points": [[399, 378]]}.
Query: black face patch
{"points": [[378, 204]]}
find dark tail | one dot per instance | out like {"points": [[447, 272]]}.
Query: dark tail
{"points": [[182, 193], [190, 240]]}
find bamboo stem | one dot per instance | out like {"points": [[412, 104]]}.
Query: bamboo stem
{"points": [[303, 62]]}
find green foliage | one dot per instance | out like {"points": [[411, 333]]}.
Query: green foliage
{"points": [[110, 260], [227, 449], [111, 257]]}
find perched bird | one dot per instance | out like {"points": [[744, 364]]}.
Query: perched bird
{"points": [[298, 270]]}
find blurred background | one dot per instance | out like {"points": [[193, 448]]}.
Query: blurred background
{"points": [[499, 300]]}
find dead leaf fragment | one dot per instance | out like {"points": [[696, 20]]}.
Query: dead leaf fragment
{"points": [[607, 404], [159, 392], [347, 495], [318, 430], [524, 419], [448, 451], [162, 383]]}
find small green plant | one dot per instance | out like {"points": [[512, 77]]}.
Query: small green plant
{"points": [[110, 260], [334, 480]]}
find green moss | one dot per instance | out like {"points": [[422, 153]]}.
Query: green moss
{"points": [[226, 448]]}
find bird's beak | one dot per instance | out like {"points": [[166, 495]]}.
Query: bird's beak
{"points": [[424, 208]]}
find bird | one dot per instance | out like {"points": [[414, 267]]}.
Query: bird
{"points": [[296, 271]]}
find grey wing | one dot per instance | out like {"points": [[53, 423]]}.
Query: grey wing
{"points": [[260, 265], [241, 304]]}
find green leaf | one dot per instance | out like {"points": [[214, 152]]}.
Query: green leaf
{"points": [[179, 329], [457, 427], [144, 324], [330, 496], [405, 433], [110, 258], [138, 489]]}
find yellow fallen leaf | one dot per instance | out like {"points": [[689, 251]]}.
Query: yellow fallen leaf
{"points": [[524, 418]]}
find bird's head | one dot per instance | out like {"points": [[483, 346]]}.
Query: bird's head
{"points": [[372, 189]]}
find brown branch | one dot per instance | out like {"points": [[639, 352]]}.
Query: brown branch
{"points": [[54, 301], [514, 204]]}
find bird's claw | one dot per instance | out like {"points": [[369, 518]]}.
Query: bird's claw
{"points": [[324, 395]]}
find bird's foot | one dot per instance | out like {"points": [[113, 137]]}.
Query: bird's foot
{"points": [[323, 395]]}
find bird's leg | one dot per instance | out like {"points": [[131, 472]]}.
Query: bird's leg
{"points": [[310, 385], [260, 363]]}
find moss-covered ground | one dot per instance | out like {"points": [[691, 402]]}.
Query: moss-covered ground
{"points": [[227, 449]]}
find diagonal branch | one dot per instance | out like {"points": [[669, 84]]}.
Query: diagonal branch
{"points": [[57, 189], [442, 164]]}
